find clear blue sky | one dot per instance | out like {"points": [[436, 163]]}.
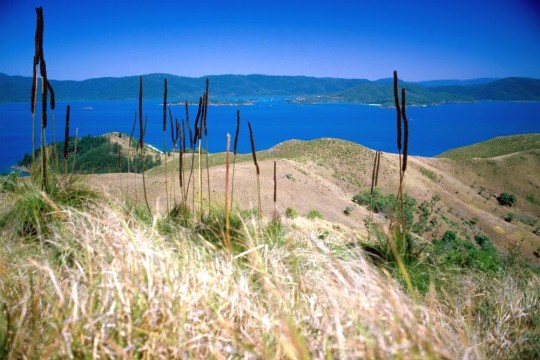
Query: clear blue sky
{"points": [[423, 40]]}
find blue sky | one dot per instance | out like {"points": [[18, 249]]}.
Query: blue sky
{"points": [[423, 40]]}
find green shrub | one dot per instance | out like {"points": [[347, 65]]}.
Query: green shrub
{"points": [[376, 201], [509, 217], [381, 203], [348, 210], [291, 213], [506, 199], [314, 214], [453, 251]]}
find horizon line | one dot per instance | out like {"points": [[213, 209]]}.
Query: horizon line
{"points": [[268, 75]]}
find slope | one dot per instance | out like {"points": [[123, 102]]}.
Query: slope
{"points": [[325, 174], [498, 146]]}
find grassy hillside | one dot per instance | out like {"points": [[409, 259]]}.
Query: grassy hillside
{"points": [[495, 147], [96, 275]]}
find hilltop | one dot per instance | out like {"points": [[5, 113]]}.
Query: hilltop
{"points": [[301, 89]]}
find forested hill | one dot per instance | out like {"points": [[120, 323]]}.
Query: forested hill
{"points": [[17, 88], [300, 88]]}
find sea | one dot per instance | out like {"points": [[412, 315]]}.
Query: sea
{"points": [[432, 129]]}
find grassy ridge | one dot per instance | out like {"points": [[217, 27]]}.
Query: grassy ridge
{"points": [[498, 146]]}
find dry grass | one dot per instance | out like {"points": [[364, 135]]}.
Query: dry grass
{"points": [[106, 285]]}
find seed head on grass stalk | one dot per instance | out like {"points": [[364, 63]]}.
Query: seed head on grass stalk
{"points": [[45, 88], [174, 141], [398, 232], [398, 110], [205, 123], [405, 132], [196, 137], [254, 155]]}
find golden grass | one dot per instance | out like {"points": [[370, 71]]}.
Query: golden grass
{"points": [[106, 285]]}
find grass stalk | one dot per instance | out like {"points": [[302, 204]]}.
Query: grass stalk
{"points": [[75, 150], [373, 172], [254, 155], [130, 145], [33, 109], [399, 230], [184, 144], [174, 140], [44, 136], [141, 144], [201, 212], [205, 123], [53, 106], [234, 153], [227, 229], [275, 191], [378, 167], [66, 139], [165, 142], [193, 145]]}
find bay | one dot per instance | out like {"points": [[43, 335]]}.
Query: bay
{"points": [[433, 129]]}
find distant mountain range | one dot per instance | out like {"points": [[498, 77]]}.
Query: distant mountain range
{"points": [[300, 89]]}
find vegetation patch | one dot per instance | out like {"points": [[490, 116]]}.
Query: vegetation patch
{"points": [[314, 214], [495, 147], [386, 203], [506, 199], [97, 155], [429, 174]]}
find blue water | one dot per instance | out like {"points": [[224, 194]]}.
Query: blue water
{"points": [[433, 129]]}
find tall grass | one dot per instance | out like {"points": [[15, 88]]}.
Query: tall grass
{"points": [[118, 288]]}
